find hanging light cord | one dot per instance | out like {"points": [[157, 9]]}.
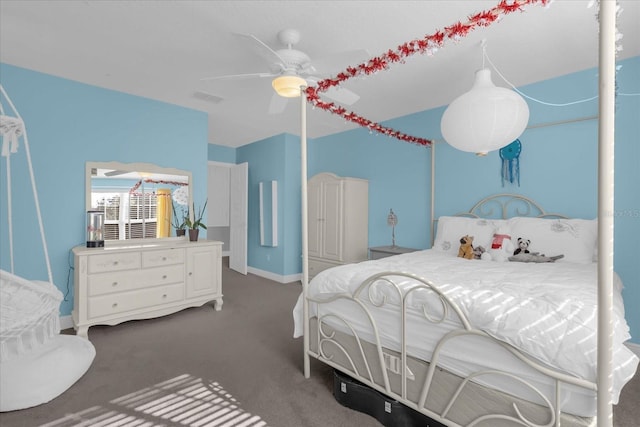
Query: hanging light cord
{"points": [[485, 56]]}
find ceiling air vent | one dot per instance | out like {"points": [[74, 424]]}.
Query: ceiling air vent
{"points": [[208, 97]]}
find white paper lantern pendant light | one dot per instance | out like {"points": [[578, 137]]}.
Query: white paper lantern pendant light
{"points": [[486, 118]]}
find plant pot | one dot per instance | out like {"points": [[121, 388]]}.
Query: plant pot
{"points": [[193, 234], [181, 232]]}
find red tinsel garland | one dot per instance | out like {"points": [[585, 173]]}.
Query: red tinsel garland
{"points": [[429, 44]]}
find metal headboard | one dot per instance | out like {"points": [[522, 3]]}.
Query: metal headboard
{"points": [[505, 205], [502, 206]]}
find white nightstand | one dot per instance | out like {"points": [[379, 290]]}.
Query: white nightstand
{"points": [[385, 251]]}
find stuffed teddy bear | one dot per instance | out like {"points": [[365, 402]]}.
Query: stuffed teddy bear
{"points": [[466, 247], [501, 246]]}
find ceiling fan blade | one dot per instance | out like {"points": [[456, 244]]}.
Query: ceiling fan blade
{"points": [[261, 48], [338, 94], [334, 63], [342, 95], [277, 104], [240, 76]]}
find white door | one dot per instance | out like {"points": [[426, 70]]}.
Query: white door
{"points": [[238, 183], [218, 195]]}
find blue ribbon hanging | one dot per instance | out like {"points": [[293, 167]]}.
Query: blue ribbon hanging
{"points": [[510, 156]]}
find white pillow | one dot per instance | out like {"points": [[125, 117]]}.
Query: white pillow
{"points": [[573, 238], [451, 228]]}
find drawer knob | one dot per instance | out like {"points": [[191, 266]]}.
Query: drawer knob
{"points": [[190, 274], [164, 276], [164, 295], [164, 258], [114, 305], [114, 284], [115, 262]]}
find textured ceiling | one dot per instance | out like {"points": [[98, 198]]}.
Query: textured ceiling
{"points": [[163, 49]]}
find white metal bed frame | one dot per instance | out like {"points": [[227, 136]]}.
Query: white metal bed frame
{"points": [[606, 146], [500, 206]]}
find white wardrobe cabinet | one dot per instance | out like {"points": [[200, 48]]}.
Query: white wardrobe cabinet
{"points": [[126, 281], [338, 209]]}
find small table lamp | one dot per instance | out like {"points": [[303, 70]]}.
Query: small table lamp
{"points": [[392, 220]]}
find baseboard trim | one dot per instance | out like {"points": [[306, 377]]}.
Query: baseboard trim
{"points": [[634, 347], [66, 322], [275, 277]]}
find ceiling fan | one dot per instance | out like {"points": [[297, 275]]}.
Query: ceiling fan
{"points": [[291, 68]]}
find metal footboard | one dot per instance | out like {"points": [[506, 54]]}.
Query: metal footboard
{"points": [[372, 366]]}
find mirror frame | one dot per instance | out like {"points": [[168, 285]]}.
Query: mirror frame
{"points": [[132, 167]]}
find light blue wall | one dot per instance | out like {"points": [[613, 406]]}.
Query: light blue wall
{"points": [[558, 168], [398, 174], [274, 159], [223, 154], [68, 124]]}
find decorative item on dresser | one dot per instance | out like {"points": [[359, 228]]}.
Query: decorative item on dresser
{"points": [[338, 221], [125, 280], [196, 223]]}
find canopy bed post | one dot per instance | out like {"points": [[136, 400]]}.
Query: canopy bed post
{"points": [[433, 191], [606, 144], [305, 227]]}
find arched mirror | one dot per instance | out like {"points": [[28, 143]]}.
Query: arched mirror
{"points": [[139, 200]]}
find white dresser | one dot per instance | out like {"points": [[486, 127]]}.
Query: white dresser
{"points": [[125, 281], [338, 212]]}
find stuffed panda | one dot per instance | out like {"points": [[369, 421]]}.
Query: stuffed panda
{"points": [[523, 246]]}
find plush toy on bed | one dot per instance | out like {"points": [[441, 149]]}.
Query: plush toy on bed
{"points": [[501, 246], [466, 247], [478, 252], [523, 246], [523, 254]]}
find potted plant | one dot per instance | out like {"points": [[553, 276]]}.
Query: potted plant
{"points": [[196, 223], [179, 223]]}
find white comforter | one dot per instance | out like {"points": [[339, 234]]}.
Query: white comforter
{"points": [[548, 310]]}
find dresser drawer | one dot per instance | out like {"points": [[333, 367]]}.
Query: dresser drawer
{"points": [[148, 299], [162, 257], [105, 283], [113, 262]]}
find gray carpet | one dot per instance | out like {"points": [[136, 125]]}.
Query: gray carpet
{"points": [[239, 366]]}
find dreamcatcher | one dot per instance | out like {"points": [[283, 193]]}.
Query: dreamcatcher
{"points": [[510, 156]]}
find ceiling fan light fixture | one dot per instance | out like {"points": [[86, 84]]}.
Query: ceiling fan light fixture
{"points": [[486, 118], [288, 85]]}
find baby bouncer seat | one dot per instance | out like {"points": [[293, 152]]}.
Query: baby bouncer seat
{"points": [[37, 363]]}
